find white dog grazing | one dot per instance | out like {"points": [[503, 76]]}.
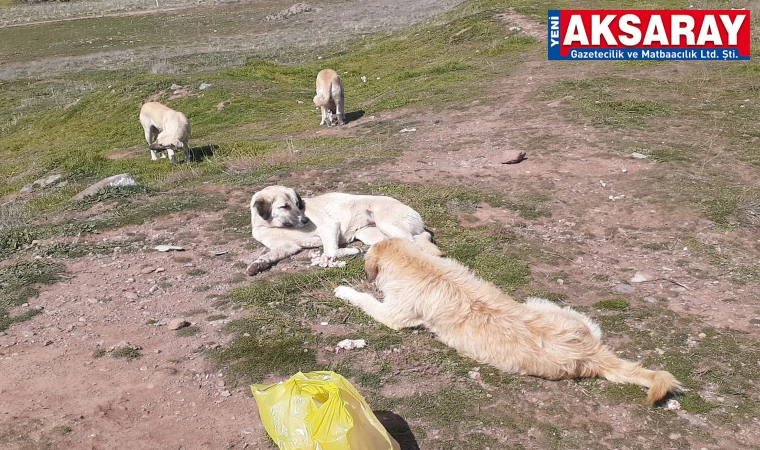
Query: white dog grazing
{"points": [[165, 129], [475, 318], [329, 97], [286, 224]]}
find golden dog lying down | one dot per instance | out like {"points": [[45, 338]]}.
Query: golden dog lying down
{"points": [[474, 317]]}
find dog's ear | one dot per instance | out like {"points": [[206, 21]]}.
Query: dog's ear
{"points": [[264, 208], [299, 202], [371, 269]]}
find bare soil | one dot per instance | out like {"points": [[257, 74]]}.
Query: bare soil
{"points": [[172, 398]]}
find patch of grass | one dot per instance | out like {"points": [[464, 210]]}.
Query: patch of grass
{"points": [[71, 250], [18, 284], [129, 353], [195, 312], [612, 304], [216, 317], [252, 359], [599, 101], [99, 353], [188, 331], [196, 272], [62, 430]]}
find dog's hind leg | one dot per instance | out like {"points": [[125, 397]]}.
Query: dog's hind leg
{"points": [[370, 235], [380, 311], [340, 109]]}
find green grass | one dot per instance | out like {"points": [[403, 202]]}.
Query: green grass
{"points": [[99, 353], [18, 283], [128, 353], [612, 304], [188, 331], [602, 101]]}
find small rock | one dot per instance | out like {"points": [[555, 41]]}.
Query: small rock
{"points": [[82, 319], [222, 105], [641, 277], [39, 307], [364, 79], [407, 130], [124, 179], [160, 269], [636, 155], [702, 335], [474, 373], [225, 393], [147, 270], [174, 87], [300, 102], [48, 342], [560, 281], [512, 156], [674, 436], [625, 288], [204, 86], [624, 170], [153, 288], [25, 305], [168, 248], [650, 299], [130, 280], [677, 289], [131, 296], [176, 324]]}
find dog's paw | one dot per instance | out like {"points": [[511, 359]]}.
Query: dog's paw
{"points": [[344, 293], [256, 267]]}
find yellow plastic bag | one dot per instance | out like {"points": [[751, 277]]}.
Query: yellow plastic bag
{"points": [[319, 411]]}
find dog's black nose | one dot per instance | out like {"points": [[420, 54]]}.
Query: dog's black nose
{"points": [[304, 220]]}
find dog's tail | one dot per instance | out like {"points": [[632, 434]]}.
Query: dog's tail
{"points": [[322, 99], [617, 370]]}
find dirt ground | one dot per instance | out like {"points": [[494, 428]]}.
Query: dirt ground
{"points": [[173, 398]]}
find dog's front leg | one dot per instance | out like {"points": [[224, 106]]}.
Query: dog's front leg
{"points": [[383, 312], [330, 235], [379, 311], [271, 257], [153, 155], [172, 156]]}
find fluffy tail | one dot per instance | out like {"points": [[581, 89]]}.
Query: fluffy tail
{"points": [[322, 99], [617, 370]]}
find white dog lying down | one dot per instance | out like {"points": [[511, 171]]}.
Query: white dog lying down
{"points": [[474, 317], [286, 224], [165, 129]]}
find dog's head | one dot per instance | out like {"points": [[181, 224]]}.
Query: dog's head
{"points": [[280, 207]]}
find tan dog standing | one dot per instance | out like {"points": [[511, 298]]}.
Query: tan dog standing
{"points": [[329, 97], [474, 317], [165, 129]]}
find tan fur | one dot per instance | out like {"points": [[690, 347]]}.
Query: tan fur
{"points": [[474, 317], [286, 224], [329, 97], [165, 129]]}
